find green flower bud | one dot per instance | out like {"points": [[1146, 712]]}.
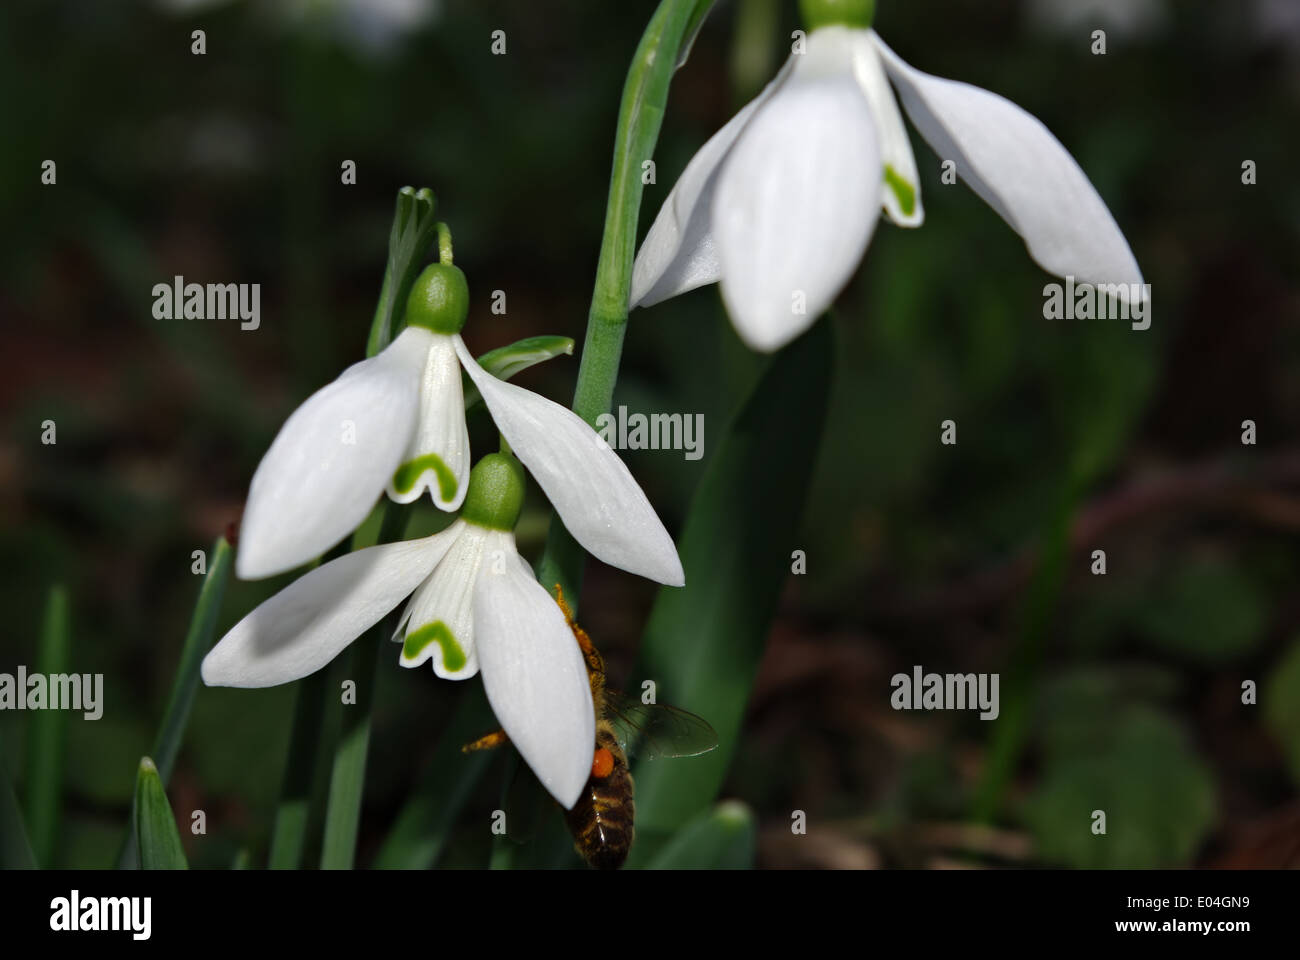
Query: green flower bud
{"points": [[439, 299], [496, 492], [842, 13]]}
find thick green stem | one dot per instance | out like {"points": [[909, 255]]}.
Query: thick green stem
{"points": [[645, 94]]}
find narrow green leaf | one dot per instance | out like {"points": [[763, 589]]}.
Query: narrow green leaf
{"points": [[15, 850], [198, 641], [348, 772], [413, 230], [47, 734], [703, 641], [504, 362], [293, 812], [725, 838], [420, 831], [155, 826]]}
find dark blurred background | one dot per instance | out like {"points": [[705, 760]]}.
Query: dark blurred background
{"points": [[1073, 435]]}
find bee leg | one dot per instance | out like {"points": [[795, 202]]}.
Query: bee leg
{"points": [[490, 742]]}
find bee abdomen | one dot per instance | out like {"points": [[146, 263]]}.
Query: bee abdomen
{"points": [[601, 820]]}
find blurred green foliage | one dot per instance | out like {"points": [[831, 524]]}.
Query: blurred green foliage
{"points": [[226, 167]]}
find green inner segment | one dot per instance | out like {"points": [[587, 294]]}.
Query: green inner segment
{"points": [[903, 190], [408, 473], [453, 657]]}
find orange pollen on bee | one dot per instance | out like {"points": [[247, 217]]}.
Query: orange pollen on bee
{"points": [[602, 764]]}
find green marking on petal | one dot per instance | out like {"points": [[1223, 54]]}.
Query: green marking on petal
{"points": [[904, 191], [408, 473], [453, 657]]}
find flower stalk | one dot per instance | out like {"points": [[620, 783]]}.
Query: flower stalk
{"points": [[645, 94]]}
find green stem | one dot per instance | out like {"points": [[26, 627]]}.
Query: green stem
{"points": [[640, 116], [444, 244]]}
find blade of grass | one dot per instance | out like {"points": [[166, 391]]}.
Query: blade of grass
{"points": [[198, 641], [15, 850], [47, 734], [159, 842], [348, 771], [294, 808], [703, 642]]}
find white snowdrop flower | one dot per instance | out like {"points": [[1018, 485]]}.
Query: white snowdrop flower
{"points": [[780, 205], [396, 422], [475, 606]]}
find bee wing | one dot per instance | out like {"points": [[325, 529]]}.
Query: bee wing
{"points": [[657, 730]]}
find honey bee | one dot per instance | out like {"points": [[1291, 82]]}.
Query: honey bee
{"points": [[601, 821]]}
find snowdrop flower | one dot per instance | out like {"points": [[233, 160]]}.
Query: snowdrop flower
{"points": [[475, 605], [396, 422], [780, 204]]}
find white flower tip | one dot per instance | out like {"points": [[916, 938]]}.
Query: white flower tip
{"points": [[255, 559]]}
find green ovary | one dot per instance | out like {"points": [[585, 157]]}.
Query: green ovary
{"points": [[408, 473], [903, 190], [453, 657]]}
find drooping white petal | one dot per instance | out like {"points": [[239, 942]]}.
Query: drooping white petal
{"points": [[798, 197], [678, 252], [305, 625], [331, 460], [589, 486], [1021, 170], [535, 677], [438, 624], [902, 187], [437, 457]]}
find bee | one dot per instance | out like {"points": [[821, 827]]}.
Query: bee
{"points": [[601, 821]]}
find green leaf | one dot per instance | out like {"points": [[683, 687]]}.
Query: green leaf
{"points": [[1281, 696], [1204, 609], [47, 734], [293, 811], [1135, 764], [155, 826], [725, 838], [420, 831], [348, 772], [414, 226], [703, 641], [15, 850], [504, 362], [198, 641]]}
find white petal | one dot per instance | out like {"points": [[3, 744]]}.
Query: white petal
{"points": [[798, 197], [1019, 169], [439, 622], [677, 253], [305, 625], [589, 486], [331, 460], [902, 187], [439, 447], [535, 678]]}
